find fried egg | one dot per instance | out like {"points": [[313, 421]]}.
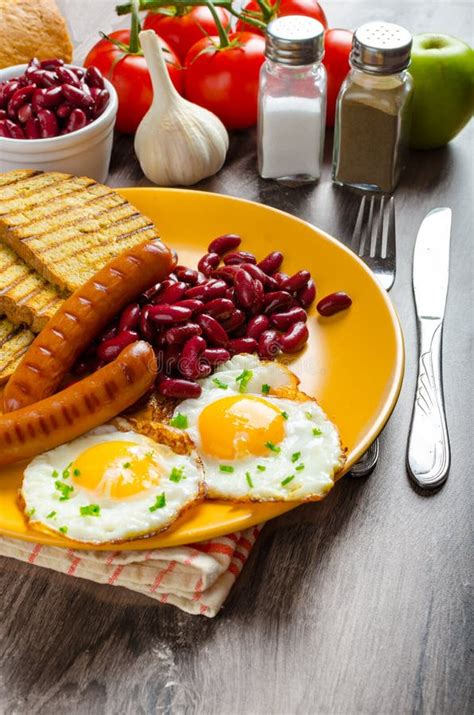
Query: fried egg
{"points": [[258, 436], [111, 485]]}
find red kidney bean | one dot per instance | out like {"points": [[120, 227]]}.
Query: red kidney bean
{"points": [[172, 293], [236, 320], [220, 308], [52, 97], [94, 77], [146, 328], [180, 333], [87, 366], [67, 76], [77, 97], [225, 243], [109, 349], [282, 321], [213, 331], [259, 295], [294, 338], [179, 388], [256, 272], [22, 95], [42, 78], [130, 317], [3, 129], [277, 300], [333, 303], [244, 286], [215, 356], [269, 344], [216, 289], [37, 100], [14, 131], [24, 113], [32, 129], [164, 314], [257, 325], [160, 340], [208, 262], [77, 120], [243, 345], [109, 332], [170, 357], [64, 110], [271, 263], [198, 292], [296, 281], [9, 88], [195, 305], [100, 102], [51, 64], [3, 114], [234, 259], [187, 275], [307, 294], [151, 292], [190, 364], [280, 277], [48, 123]]}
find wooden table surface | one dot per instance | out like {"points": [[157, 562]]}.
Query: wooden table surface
{"points": [[359, 604]]}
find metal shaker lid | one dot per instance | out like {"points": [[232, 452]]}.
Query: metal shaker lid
{"points": [[381, 48], [295, 40]]}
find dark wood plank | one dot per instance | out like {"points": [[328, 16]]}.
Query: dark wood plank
{"points": [[358, 604]]}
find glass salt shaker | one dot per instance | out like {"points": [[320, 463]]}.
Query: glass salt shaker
{"points": [[292, 101], [373, 109]]}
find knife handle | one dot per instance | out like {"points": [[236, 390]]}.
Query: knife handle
{"points": [[428, 457]]}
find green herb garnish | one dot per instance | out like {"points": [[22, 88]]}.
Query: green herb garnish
{"points": [[284, 415], [149, 454], [180, 421], [249, 479], [55, 474], [30, 512], [317, 432], [51, 514], [77, 472], [91, 510], [63, 529], [287, 480], [127, 465], [221, 385], [273, 447], [261, 468], [266, 389], [244, 379], [159, 503], [176, 474], [295, 456], [66, 473], [226, 468], [65, 490], [308, 415], [299, 467]]}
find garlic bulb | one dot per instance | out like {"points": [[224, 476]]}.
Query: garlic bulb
{"points": [[177, 143]]}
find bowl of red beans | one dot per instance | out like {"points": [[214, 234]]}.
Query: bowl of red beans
{"points": [[56, 117]]}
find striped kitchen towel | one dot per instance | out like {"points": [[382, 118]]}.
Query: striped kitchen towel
{"points": [[195, 578]]}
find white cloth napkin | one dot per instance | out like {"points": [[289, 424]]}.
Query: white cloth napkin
{"points": [[195, 578]]}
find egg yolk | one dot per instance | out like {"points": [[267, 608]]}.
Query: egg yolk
{"points": [[117, 469], [237, 426]]}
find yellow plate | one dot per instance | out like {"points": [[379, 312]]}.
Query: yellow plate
{"points": [[353, 362]]}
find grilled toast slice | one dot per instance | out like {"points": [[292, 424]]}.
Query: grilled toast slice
{"points": [[65, 226], [14, 341]]}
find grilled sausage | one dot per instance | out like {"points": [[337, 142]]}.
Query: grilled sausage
{"points": [[80, 407], [81, 318]]}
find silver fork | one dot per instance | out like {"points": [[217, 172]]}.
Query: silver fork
{"points": [[377, 248]]}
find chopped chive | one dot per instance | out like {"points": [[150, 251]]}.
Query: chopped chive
{"points": [[249, 479], [284, 415], [30, 512], [180, 421], [266, 389], [287, 480], [51, 514], [176, 474], [221, 385], [308, 415], [244, 379], [91, 510], [226, 468], [55, 473], [149, 454], [127, 465], [295, 456], [66, 473], [159, 503], [273, 447], [65, 490], [299, 467], [261, 468], [317, 432], [63, 529], [77, 472]]}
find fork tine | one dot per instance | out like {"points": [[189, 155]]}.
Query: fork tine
{"points": [[356, 236], [366, 245], [391, 241], [377, 248]]}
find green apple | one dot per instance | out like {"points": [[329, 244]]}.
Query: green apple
{"points": [[442, 68]]}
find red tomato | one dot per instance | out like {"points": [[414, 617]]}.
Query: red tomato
{"points": [[226, 81], [181, 32], [129, 75], [310, 8], [337, 48]]}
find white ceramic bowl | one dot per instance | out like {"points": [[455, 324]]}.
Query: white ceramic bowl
{"points": [[85, 152]]}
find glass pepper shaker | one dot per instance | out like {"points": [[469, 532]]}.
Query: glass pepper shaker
{"points": [[373, 109], [292, 101]]}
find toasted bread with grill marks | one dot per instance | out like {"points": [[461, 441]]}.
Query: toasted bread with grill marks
{"points": [[65, 227], [14, 341]]}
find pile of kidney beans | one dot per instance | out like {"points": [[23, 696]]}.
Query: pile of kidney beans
{"points": [[196, 319], [50, 99]]}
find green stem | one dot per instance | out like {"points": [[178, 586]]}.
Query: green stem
{"points": [[126, 8], [223, 39], [135, 29]]}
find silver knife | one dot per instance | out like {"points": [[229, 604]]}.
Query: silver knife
{"points": [[428, 457]]}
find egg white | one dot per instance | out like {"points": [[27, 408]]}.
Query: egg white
{"points": [[119, 519], [308, 457]]}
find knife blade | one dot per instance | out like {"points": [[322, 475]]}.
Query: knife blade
{"points": [[428, 456]]}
